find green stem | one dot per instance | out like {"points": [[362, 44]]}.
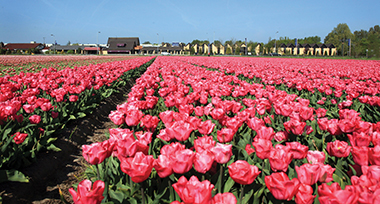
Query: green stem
{"points": [[241, 194], [142, 195], [171, 190], [220, 178], [97, 171], [131, 184]]}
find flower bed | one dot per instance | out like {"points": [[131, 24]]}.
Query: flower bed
{"points": [[14, 64], [220, 130], [34, 105]]}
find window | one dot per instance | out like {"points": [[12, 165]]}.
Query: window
{"points": [[121, 44]]}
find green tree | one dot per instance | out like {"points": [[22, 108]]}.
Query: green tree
{"points": [[228, 51], [339, 36], [217, 42], [68, 43], [192, 51], [200, 42], [146, 42]]}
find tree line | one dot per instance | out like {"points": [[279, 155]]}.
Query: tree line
{"points": [[363, 43]]}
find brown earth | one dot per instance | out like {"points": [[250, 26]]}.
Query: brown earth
{"points": [[60, 170]]}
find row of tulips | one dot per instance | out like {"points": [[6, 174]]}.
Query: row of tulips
{"points": [[34, 105], [195, 135], [348, 78], [12, 65]]}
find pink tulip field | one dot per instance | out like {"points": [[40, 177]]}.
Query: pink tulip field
{"points": [[33, 105], [208, 130]]}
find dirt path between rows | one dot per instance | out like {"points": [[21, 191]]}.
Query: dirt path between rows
{"points": [[60, 170]]}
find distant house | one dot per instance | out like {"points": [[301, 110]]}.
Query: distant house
{"points": [[123, 45], [66, 48], [24, 47]]}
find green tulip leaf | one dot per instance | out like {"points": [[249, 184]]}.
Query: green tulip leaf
{"points": [[258, 194], [228, 185], [247, 196], [52, 147], [116, 196], [12, 175]]}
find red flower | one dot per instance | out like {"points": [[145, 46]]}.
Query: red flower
{"points": [[295, 126], [28, 108], [323, 123], [316, 157], [167, 117], [35, 119], [249, 149], [305, 195], [280, 158], [338, 148], [298, 150], [262, 148], [180, 130], [281, 136], [198, 111], [117, 117], [203, 161], [88, 193], [138, 167], [348, 196], [149, 122], [19, 137], [281, 187], [54, 114], [255, 123], [206, 127], [73, 98], [204, 143], [46, 106], [225, 135], [333, 128], [325, 176], [242, 172], [306, 113], [163, 166], [360, 155], [308, 173], [222, 153], [194, 191], [266, 133], [359, 139], [183, 161], [321, 112], [128, 146], [97, 152], [224, 198], [133, 117], [326, 190], [217, 113]]}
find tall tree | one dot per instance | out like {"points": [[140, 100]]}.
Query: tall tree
{"points": [[374, 41], [339, 36]]}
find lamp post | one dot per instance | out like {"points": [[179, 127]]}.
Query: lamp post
{"points": [[53, 42], [342, 40], [275, 41], [97, 43], [157, 43]]}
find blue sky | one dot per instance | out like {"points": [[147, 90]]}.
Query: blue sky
{"points": [[80, 21]]}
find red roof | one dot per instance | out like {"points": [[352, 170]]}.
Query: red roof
{"points": [[21, 46], [91, 48]]}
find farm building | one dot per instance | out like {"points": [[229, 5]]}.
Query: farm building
{"points": [[123, 45]]}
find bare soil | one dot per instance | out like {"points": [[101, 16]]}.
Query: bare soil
{"points": [[56, 171]]}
